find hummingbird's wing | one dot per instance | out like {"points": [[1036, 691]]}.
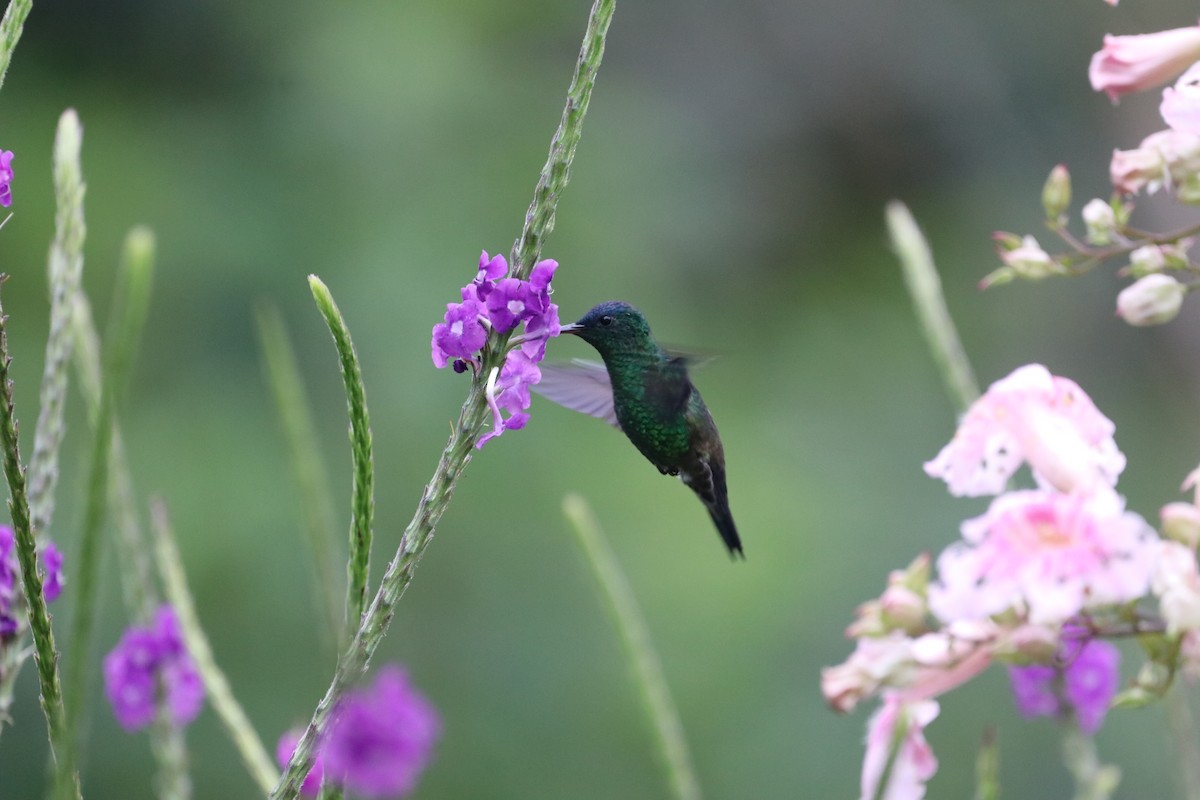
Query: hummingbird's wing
{"points": [[581, 386]]}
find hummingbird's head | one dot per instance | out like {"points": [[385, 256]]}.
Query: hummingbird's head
{"points": [[612, 326]]}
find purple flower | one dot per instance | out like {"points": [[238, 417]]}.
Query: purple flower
{"points": [[460, 336], [283, 754], [381, 737], [511, 303], [52, 561], [52, 557], [145, 659], [510, 392], [503, 303], [1085, 685], [1090, 682], [6, 176]]}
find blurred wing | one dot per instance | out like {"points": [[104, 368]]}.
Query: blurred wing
{"points": [[580, 386]]}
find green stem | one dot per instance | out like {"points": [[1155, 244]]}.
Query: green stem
{"points": [[925, 288], [1184, 741], [10, 32], [987, 767], [64, 271], [644, 663], [416, 538], [1093, 779], [362, 504], [172, 782], [79, 662], [539, 219], [216, 685], [66, 780], [308, 469], [137, 582]]}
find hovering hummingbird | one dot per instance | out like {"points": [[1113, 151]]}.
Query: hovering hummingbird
{"points": [[645, 391]]}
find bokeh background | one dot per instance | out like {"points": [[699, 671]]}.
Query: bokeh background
{"points": [[731, 182]]}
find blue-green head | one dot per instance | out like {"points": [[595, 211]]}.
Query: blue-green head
{"points": [[614, 327]]}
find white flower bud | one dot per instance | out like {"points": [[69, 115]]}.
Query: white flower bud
{"points": [[1152, 300]]}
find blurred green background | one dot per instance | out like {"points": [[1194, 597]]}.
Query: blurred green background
{"points": [[731, 183]]}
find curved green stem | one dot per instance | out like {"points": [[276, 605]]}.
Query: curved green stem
{"points": [[644, 663], [362, 504]]}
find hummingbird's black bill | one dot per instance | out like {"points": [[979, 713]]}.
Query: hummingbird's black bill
{"points": [[572, 328]]}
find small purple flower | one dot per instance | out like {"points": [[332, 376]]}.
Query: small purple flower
{"points": [[1085, 685], [381, 737], [52, 557], [511, 303], [52, 562], [1090, 682], [6, 176], [460, 336], [283, 754], [145, 658], [1033, 690], [510, 392]]}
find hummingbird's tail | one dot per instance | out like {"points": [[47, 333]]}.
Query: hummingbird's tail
{"points": [[716, 500], [724, 522]]}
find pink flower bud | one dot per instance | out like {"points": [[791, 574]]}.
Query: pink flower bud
{"points": [[1181, 522], [1030, 261], [1151, 300], [903, 609], [1132, 63]]}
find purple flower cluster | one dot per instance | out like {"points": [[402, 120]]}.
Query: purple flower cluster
{"points": [[494, 301], [380, 740], [6, 176], [52, 563], [1084, 685], [150, 663]]}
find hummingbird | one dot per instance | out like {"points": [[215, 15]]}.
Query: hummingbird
{"points": [[644, 390]]}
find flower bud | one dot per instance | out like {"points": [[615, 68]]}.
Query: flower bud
{"points": [[902, 609], [1101, 222], [1146, 260], [1181, 522], [1151, 300], [1030, 261], [1056, 194]]}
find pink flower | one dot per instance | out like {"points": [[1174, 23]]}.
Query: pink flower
{"points": [[1132, 63], [895, 734], [1166, 159], [1177, 584], [1031, 416], [1048, 554], [1180, 106], [876, 661]]}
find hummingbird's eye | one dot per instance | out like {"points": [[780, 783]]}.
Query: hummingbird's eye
{"points": [[606, 320]]}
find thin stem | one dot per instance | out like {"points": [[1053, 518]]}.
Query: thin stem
{"points": [[64, 270], [539, 219], [66, 780], [644, 664], [362, 503], [130, 304], [987, 767], [10, 32], [417, 536], [141, 597], [308, 469], [925, 289], [237, 724], [1093, 779], [1184, 741]]}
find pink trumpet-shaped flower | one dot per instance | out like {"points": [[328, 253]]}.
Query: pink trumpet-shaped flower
{"points": [[896, 734], [1132, 63]]}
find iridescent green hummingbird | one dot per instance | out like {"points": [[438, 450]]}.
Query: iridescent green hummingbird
{"points": [[645, 391]]}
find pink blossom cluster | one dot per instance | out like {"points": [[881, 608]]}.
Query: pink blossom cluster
{"points": [[1030, 578]]}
